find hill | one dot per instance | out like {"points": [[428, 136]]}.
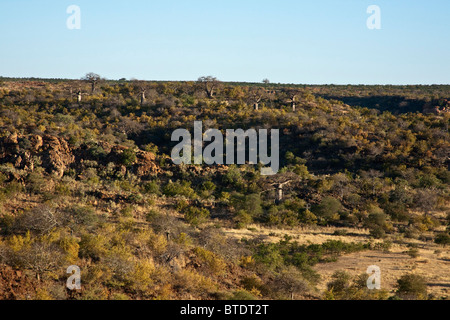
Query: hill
{"points": [[87, 179]]}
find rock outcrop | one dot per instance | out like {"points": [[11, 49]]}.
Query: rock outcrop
{"points": [[15, 285], [56, 156]]}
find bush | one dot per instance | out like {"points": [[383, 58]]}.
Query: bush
{"points": [[340, 283], [152, 187], [13, 188], [376, 219], [35, 182], [290, 281], [128, 157], [341, 232], [412, 287], [413, 253], [377, 232], [214, 263], [41, 257], [40, 220], [6, 224], [249, 203], [328, 208], [254, 284], [83, 216], [443, 239], [242, 219], [196, 216], [71, 249], [183, 188], [242, 295], [93, 246], [207, 189]]}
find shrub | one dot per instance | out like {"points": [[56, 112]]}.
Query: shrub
{"points": [[35, 182], [376, 219], [13, 188], [71, 248], [328, 208], [96, 152], [242, 219], [214, 263], [413, 253], [377, 232], [183, 188], [83, 216], [182, 206], [207, 189], [40, 220], [128, 157], [141, 276], [290, 281], [340, 283], [412, 287], [93, 246], [152, 187], [443, 239], [270, 255], [41, 257], [249, 203], [196, 216], [341, 232], [253, 283], [6, 224], [243, 295]]}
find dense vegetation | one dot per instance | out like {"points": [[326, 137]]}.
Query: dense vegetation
{"points": [[86, 179]]}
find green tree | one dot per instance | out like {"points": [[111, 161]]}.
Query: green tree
{"points": [[328, 208]]}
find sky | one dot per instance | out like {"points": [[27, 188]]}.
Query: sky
{"points": [[285, 41]]}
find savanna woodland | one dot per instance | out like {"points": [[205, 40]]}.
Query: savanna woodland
{"points": [[87, 179]]}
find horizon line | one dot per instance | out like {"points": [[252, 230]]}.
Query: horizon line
{"points": [[233, 81]]}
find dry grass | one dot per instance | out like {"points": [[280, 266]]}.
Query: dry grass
{"points": [[435, 267], [304, 235]]}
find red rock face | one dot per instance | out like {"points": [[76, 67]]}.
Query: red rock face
{"points": [[15, 285], [57, 156], [54, 152], [146, 165]]}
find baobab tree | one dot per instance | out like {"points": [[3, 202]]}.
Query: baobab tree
{"points": [[141, 87], [75, 90], [79, 95], [93, 79], [292, 95], [209, 84], [279, 187], [256, 95], [280, 183]]}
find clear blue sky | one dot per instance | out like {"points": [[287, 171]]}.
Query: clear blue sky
{"points": [[288, 41]]}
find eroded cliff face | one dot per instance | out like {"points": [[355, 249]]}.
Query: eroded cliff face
{"points": [[55, 155]]}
